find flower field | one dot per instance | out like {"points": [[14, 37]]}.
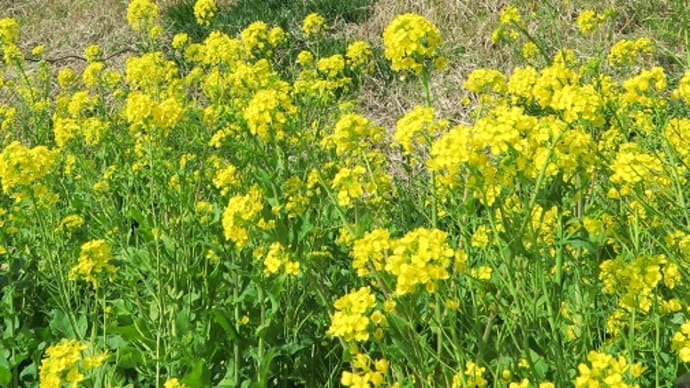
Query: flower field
{"points": [[222, 212]]}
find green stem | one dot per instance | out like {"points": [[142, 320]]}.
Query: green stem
{"points": [[260, 346], [57, 274], [236, 346]]}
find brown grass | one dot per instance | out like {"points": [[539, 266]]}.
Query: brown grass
{"points": [[65, 28], [467, 25]]}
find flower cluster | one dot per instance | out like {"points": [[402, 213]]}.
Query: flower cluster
{"points": [[267, 114], [420, 257], [204, 11], [635, 282], [93, 260], [275, 258], [412, 43], [510, 24], [352, 317], [313, 24], [22, 166], [64, 362], [142, 15], [604, 368], [366, 372], [241, 213], [681, 342], [589, 21], [626, 52], [416, 129], [472, 376]]}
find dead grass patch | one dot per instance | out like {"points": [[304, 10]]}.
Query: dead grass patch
{"points": [[65, 28], [467, 25]]}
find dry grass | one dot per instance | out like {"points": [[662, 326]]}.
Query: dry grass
{"points": [[65, 28], [467, 25]]}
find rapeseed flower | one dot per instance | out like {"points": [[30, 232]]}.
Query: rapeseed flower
{"points": [[142, 15], [22, 166], [588, 21], [313, 25], [94, 259], [267, 114], [174, 382], [255, 38], [420, 257], [275, 257], [626, 52], [180, 40], [411, 43], [241, 212], [351, 321], [92, 74], [472, 376], [683, 89], [416, 129], [681, 342], [366, 372], [604, 368], [359, 55], [60, 363], [204, 11], [510, 23], [9, 31], [371, 251]]}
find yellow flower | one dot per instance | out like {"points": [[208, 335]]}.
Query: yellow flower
{"points": [[680, 342], [473, 376], [370, 251], [606, 370], [416, 129], [21, 165], [510, 22], [255, 38], [411, 43], [204, 11], [180, 40], [92, 73], [350, 320], [174, 383], [60, 361], [358, 55], [421, 257], [70, 223], [313, 24], [93, 260], [242, 210], [267, 114], [167, 113], [626, 52], [38, 50], [588, 21], [9, 31], [142, 14], [276, 257], [93, 53]]}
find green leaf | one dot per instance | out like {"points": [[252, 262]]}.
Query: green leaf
{"points": [[219, 317], [199, 376], [5, 372]]}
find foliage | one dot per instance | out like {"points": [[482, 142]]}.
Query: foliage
{"points": [[219, 215]]}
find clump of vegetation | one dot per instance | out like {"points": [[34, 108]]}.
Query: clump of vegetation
{"points": [[222, 213]]}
